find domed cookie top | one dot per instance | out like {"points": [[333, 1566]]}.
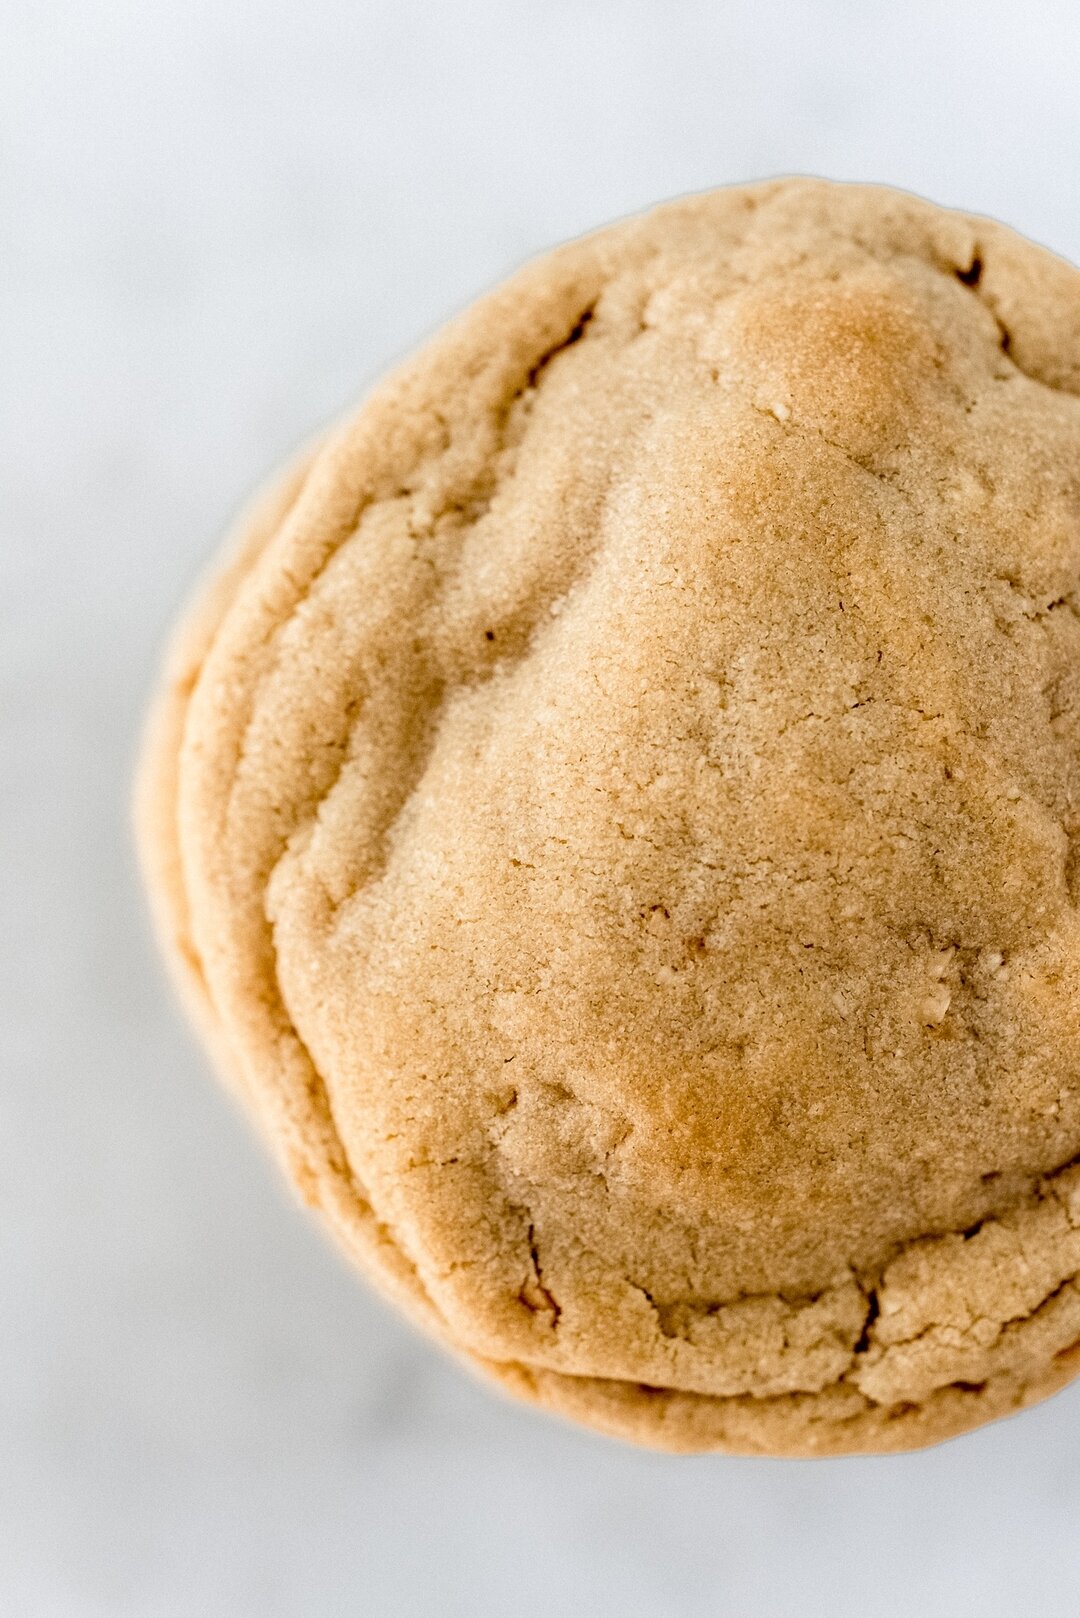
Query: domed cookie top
{"points": [[620, 817]]}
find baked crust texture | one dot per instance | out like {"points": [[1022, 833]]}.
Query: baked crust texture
{"points": [[615, 820]]}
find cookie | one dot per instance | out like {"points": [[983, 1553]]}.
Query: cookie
{"points": [[616, 818]]}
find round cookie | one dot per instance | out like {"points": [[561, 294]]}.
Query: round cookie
{"points": [[618, 814]]}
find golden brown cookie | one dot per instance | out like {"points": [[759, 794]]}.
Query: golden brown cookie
{"points": [[618, 818]]}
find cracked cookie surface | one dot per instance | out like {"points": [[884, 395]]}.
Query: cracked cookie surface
{"points": [[618, 817]]}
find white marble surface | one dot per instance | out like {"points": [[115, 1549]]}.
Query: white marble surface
{"points": [[218, 220]]}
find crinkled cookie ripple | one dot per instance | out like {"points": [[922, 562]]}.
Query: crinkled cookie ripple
{"points": [[616, 819]]}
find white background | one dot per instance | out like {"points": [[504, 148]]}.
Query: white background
{"points": [[218, 221]]}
